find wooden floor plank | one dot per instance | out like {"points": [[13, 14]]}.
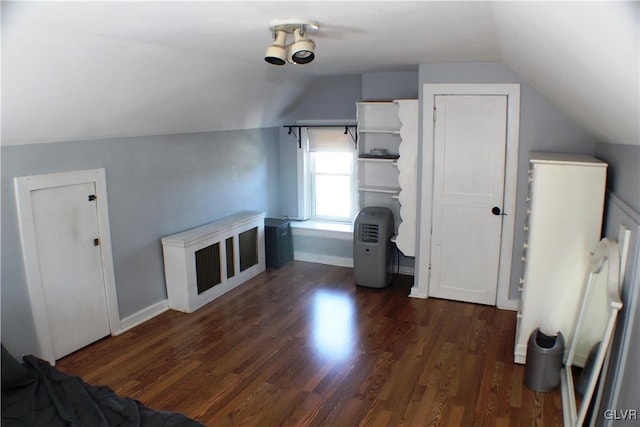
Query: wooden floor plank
{"points": [[303, 345]]}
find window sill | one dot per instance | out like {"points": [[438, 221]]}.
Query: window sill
{"points": [[330, 230]]}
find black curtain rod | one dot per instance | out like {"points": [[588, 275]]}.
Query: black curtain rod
{"points": [[347, 130]]}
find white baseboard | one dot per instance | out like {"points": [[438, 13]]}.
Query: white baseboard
{"points": [[143, 315], [416, 292], [339, 261], [406, 270], [323, 259], [520, 354], [510, 304]]}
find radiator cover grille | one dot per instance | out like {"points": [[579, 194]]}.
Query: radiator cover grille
{"points": [[208, 267], [231, 271], [248, 245]]}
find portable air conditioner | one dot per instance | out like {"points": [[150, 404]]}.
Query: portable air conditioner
{"points": [[372, 247]]}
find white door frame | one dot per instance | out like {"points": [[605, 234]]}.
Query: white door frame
{"points": [[24, 186], [429, 92]]}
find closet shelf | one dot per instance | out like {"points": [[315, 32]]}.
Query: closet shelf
{"points": [[378, 159], [385, 131], [377, 189]]}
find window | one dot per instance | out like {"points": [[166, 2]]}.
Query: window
{"points": [[331, 175], [331, 179]]}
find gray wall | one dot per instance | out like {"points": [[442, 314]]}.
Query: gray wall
{"points": [[326, 98], [623, 174], [156, 186], [390, 85], [288, 174], [543, 127], [324, 246]]}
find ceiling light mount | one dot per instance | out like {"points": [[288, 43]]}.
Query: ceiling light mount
{"points": [[301, 51]]}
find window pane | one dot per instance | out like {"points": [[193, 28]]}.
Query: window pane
{"points": [[333, 196], [333, 162]]}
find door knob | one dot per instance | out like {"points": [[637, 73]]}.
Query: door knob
{"points": [[496, 211]]}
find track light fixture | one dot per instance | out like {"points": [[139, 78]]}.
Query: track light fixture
{"points": [[301, 51], [276, 53]]}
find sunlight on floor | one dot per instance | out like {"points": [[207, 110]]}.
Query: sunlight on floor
{"points": [[333, 324]]}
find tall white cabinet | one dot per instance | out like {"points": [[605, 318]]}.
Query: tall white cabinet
{"points": [[387, 163], [564, 219]]}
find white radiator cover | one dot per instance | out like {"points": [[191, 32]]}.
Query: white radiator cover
{"points": [[180, 260]]}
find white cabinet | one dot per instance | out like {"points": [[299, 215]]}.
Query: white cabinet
{"points": [[564, 219], [205, 262], [387, 163]]}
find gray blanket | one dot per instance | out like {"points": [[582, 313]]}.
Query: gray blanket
{"points": [[37, 394]]}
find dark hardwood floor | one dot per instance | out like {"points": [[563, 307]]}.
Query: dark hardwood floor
{"points": [[303, 345]]}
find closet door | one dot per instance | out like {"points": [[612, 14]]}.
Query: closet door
{"points": [[66, 249], [67, 236], [468, 193]]}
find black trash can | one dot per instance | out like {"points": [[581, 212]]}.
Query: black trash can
{"points": [[544, 361]]}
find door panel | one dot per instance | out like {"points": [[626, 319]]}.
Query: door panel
{"points": [[470, 140], [66, 224]]}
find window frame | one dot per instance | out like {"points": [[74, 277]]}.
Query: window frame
{"points": [[306, 196], [311, 179]]}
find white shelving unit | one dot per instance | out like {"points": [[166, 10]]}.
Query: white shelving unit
{"points": [[387, 130], [378, 131]]}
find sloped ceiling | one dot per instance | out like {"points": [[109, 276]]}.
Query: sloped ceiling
{"points": [[89, 70]]}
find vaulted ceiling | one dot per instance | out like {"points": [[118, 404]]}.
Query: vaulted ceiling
{"points": [[88, 70]]}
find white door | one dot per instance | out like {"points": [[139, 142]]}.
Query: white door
{"points": [[66, 226], [468, 191]]}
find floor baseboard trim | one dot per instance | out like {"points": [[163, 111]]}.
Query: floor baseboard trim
{"points": [[406, 270], [416, 292], [143, 315], [340, 261], [510, 304], [323, 259]]}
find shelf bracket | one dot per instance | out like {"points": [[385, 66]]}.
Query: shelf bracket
{"points": [[298, 135], [354, 135]]}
